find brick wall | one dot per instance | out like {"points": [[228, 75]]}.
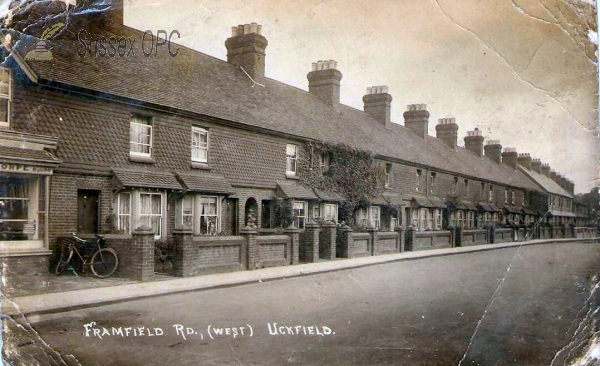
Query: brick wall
{"points": [[362, 245], [274, 250], [432, 240]]}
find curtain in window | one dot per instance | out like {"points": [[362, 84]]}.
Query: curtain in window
{"points": [[140, 135], [151, 211], [187, 211], [300, 213], [199, 145], [291, 155], [124, 212], [208, 216]]}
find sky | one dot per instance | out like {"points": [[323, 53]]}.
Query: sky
{"points": [[523, 71]]}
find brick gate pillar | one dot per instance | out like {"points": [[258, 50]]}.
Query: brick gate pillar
{"points": [[347, 247], [253, 255], [410, 238], [401, 244], [311, 242], [294, 235], [142, 261], [373, 239], [184, 261], [329, 236]]}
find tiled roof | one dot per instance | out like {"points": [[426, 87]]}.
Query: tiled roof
{"points": [[9, 154], [328, 196], [545, 182], [485, 207], [429, 202], [145, 179], [201, 84], [291, 190], [209, 183], [512, 209]]}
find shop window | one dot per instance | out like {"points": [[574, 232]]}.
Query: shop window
{"points": [[140, 136], [5, 96], [87, 211], [18, 208], [199, 145]]}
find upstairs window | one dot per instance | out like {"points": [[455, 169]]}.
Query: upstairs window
{"points": [[291, 153], [5, 96], [491, 193], [455, 185], [388, 169], [431, 182], [418, 182], [482, 194], [199, 145], [512, 197], [140, 132], [466, 187], [506, 196]]}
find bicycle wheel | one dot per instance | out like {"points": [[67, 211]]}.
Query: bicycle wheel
{"points": [[63, 261], [104, 262]]}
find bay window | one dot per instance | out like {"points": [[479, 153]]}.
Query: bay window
{"points": [[366, 217], [423, 218], [208, 215], [375, 215], [330, 212], [471, 219], [438, 219], [299, 214], [151, 212], [199, 213], [187, 211], [199, 145], [124, 212]]}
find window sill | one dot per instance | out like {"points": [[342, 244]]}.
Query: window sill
{"points": [[291, 176], [141, 159], [200, 165]]}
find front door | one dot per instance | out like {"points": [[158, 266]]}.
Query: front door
{"points": [[87, 211]]}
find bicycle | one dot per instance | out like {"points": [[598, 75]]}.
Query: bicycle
{"points": [[103, 262]]}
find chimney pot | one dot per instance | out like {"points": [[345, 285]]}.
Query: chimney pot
{"points": [[474, 142], [416, 118], [324, 82], [510, 156], [378, 103], [525, 161], [447, 131], [493, 150], [246, 49]]}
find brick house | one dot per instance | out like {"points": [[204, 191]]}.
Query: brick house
{"points": [[94, 143]]}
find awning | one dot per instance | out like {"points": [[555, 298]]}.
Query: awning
{"points": [[512, 209], [208, 183], [328, 196], [394, 199], [528, 211], [145, 179], [431, 202], [562, 214], [291, 190]]}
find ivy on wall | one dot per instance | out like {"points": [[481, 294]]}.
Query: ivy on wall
{"points": [[351, 173]]}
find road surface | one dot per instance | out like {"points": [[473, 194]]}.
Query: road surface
{"points": [[514, 306]]}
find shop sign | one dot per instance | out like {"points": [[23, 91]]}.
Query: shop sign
{"points": [[21, 168]]}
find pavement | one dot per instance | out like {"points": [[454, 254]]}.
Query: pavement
{"points": [[120, 291]]}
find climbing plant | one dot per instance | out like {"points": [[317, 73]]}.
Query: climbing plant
{"points": [[350, 172]]}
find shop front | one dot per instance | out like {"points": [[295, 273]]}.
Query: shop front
{"points": [[26, 167]]}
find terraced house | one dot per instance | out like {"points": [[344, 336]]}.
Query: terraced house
{"points": [[209, 152]]}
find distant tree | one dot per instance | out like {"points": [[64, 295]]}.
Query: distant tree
{"points": [[592, 201]]}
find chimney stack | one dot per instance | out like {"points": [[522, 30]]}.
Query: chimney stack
{"points": [[493, 150], [324, 82], [447, 131], [510, 156], [474, 142], [553, 175], [536, 166], [525, 161], [246, 48], [571, 187], [546, 170], [416, 118], [378, 103]]}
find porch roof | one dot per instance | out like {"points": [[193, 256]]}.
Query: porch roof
{"points": [[327, 195], [513, 209], [429, 202], [209, 183], [488, 207], [291, 190], [9, 154], [145, 179], [562, 213]]}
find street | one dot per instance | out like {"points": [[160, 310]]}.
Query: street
{"points": [[513, 306]]}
